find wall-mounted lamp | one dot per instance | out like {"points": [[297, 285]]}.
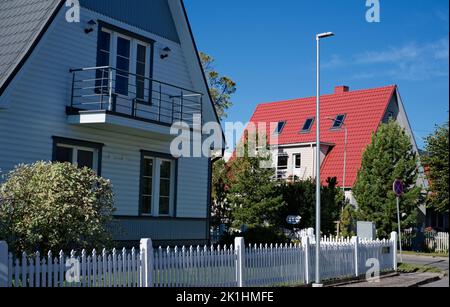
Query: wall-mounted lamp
{"points": [[164, 53], [90, 26]]}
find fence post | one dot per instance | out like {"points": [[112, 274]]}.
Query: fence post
{"points": [[394, 240], [355, 241], [3, 264], [239, 245], [146, 267], [306, 248]]}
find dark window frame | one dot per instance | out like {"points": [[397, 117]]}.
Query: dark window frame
{"points": [[313, 120], [278, 162], [279, 130], [342, 122], [146, 153], [79, 143]]}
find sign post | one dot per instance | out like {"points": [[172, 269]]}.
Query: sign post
{"points": [[398, 190]]}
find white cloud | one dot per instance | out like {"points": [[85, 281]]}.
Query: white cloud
{"points": [[411, 61]]}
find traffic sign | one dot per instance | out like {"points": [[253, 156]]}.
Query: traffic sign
{"points": [[293, 220], [398, 188]]}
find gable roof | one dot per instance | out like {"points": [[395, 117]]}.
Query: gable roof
{"points": [[364, 110], [22, 24]]}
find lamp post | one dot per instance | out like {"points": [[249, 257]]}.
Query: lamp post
{"points": [[318, 145]]}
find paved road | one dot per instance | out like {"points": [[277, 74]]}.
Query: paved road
{"points": [[443, 283], [437, 262], [400, 281]]}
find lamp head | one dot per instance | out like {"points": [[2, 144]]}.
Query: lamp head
{"points": [[324, 35]]}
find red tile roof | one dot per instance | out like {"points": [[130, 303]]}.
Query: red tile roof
{"points": [[364, 111]]}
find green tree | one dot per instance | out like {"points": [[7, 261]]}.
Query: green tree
{"points": [[220, 87], [253, 192], [390, 156], [52, 207], [299, 198], [220, 211], [348, 223], [437, 152]]}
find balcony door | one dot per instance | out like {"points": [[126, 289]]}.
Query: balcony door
{"points": [[131, 61]]}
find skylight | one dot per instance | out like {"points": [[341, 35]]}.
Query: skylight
{"points": [[280, 127], [308, 125], [339, 121]]}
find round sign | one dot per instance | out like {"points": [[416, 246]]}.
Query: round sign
{"points": [[293, 220], [398, 187]]}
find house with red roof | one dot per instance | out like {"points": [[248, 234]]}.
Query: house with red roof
{"points": [[348, 120]]}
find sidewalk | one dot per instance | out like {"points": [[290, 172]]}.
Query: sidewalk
{"points": [[399, 281]]}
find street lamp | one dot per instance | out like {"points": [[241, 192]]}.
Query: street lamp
{"points": [[318, 182]]}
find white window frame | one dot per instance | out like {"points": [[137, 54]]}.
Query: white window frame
{"points": [[75, 150], [133, 61], [156, 181], [294, 160]]}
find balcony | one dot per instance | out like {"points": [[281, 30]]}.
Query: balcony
{"points": [[108, 96]]}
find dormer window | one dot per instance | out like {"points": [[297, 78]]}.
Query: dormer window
{"points": [[308, 125], [338, 122], [280, 127]]}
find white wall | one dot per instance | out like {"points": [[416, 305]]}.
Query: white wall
{"points": [[308, 152], [38, 98]]}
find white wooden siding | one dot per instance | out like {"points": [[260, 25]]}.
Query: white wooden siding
{"points": [[192, 187], [37, 112]]}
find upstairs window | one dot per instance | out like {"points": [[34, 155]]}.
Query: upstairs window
{"points": [[131, 56], [280, 127], [308, 125], [338, 122]]}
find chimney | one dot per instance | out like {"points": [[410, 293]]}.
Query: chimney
{"points": [[341, 89]]}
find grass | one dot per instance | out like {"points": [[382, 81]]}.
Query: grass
{"points": [[412, 268], [425, 254]]}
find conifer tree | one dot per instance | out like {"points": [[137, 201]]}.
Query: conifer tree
{"points": [[390, 156]]}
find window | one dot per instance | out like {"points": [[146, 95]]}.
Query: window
{"points": [[283, 162], [103, 59], [80, 153], [131, 56], [298, 160], [147, 186], [339, 121], [165, 179], [122, 65], [308, 125], [141, 71], [280, 127], [157, 185]]}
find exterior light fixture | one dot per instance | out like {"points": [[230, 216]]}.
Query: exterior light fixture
{"points": [[90, 26], [164, 53]]}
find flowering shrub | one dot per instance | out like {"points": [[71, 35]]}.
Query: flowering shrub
{"points": [[54, 206]]}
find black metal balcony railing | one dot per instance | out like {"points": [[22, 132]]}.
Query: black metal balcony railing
{"points": [[124, 93]]}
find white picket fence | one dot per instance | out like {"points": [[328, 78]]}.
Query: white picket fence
{"points": [[438, 243], [433, 242], [215, 266]]}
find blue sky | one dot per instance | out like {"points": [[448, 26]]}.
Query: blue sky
{"points": [[268, 48]]}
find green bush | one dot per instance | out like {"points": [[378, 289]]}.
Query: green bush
{"points": [[256, 235], [53, 206]]}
